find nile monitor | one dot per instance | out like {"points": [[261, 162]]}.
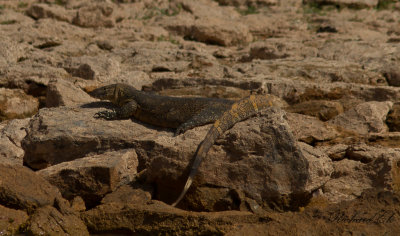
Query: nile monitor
{"points": [[180, 113]]}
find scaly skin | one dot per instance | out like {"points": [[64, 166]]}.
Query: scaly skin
{"points": [[239, 111], [180, 113], [171, 112]]}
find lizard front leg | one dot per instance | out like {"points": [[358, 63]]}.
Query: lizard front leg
{"points": [[124, 112]]}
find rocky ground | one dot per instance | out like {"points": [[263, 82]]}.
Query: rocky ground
{"points": [[325, 161]]}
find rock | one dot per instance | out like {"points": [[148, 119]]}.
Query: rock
{"points": [[266, 51], [90, 68], [322, 109], [392, 75], [11, 220], [212, 31], [64, 93], [247, 161], [125, 194], [310, 130], [393, 120], [211, 199], [21, 188], [41, 10], [335, 152], [350, 3], [366, 154], [158, 218], [170, 156], [220, 32], [247, 2], [49, 221], [92, 177], [14, 104], [10, 51], [350, 178], [11, 136], [57, 143], [365, 118], [320, 167], [78, 204], [97, 15], [84, 71], [105, 45], [348, 181]]}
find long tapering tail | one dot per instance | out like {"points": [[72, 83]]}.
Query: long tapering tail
{"points": [[240, 110]]}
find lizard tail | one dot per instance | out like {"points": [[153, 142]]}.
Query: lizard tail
{"points": [[201, 152], [240, 110], [185, 189]]}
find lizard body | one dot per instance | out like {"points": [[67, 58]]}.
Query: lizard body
{"points": [[170, 112], [181, 113]]}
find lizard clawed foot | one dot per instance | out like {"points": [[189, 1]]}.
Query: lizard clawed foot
{"points": [[107, 115], [180, 130]]}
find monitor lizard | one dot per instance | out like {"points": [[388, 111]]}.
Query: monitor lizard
{"points": [[182, 113]]}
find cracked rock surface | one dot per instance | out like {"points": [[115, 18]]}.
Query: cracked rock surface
{"points": [[324, 160]]}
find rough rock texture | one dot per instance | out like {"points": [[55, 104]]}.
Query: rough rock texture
{"points": [[16, 104], [259, 150], [332, 64], [11, 220], [322, 109], [11, 136], [48, 220], [146, 218], [27, 192], [21, 188], [365, 118], [310, 130], [364, 168], [63, 93], [92, 177]]}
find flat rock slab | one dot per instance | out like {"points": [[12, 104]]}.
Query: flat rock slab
{"points": [[57, 135], [21, 188], [158, 218], [48, 220]]}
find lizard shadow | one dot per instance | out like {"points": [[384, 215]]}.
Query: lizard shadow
{"points": [[99, 104], [109, 105]]}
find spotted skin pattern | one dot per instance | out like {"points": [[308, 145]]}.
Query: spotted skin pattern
{"points": [[239, 111], [180, 113]]}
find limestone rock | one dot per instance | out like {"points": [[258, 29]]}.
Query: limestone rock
{"points": [[157, 217], [11, 220], [11, 136], [49, 221], [365, 118], [322, 109], [310, 130], [64, 93], [92, 177], [392, 120], [21, 188], [16, 104], [350, 178], [41, 10], [98, 15]]}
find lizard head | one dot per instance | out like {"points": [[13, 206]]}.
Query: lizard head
{"points": [[107, 92], [116, 93]]}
